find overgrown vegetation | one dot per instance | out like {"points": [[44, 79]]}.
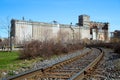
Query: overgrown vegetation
{"points": [[115, 46], [46, 49], [10, 61], [11, 65]]}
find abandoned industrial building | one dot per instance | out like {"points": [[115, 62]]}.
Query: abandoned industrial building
{"points": [[23, 31]]}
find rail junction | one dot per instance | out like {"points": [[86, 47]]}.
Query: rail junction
{"points": [[73, 68]]}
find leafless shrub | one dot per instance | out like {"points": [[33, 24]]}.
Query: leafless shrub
{"points": [[101, 44], [30, 50], [46, 49], [117, 48]]}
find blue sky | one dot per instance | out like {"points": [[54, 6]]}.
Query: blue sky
{"points": [[63, 11]]}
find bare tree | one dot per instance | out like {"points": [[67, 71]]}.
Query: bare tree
{"points": [[5, 26], [63, 37], [46, 34]]}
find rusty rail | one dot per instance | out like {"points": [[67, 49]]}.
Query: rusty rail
{"points": [[81, 74], [52, 72]]}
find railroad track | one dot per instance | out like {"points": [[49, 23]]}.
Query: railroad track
{"points": [[74, 68]]}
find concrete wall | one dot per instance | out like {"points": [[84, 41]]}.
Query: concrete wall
{"points": [[28, 30], [85, 32], [23, 32]]}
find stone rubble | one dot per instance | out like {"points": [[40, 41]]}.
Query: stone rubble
{"points": [[108, 69]]}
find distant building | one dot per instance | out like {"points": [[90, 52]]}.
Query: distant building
{"points": [[98, 30], [115, 34], [23, 31]]}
